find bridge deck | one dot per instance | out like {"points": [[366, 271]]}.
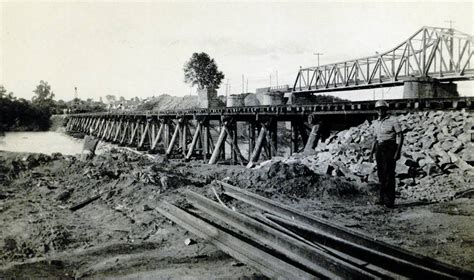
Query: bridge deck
{"points": [[338, 108]]}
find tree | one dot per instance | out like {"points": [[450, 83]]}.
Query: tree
{"points": [[44, 99], [3, 91], [201, 70], [43, 93], [110, 98]]}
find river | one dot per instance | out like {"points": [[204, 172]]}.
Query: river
{"points": [[40, 142]]}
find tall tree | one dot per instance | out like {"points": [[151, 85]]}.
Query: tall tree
{"points": [[3, 91], [44, 98], [110, 98], [43, 92], [201, 70]]}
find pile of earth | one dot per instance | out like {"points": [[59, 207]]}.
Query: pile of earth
{"points": [[437, 155], [167, 102]]}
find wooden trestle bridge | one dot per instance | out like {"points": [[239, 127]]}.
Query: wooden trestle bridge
{"points": [[187, 133]]}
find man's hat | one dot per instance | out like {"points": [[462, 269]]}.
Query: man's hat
{"points": [[381, 103]]}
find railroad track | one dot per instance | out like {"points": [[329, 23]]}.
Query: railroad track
{"points": [[398, 106], [285, 243]]}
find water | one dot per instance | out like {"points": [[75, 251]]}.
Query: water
{"points": [[40, 142]]}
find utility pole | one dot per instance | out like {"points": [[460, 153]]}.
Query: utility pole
{"points": [[451, 43], [450, 23], [227, 89], [243, 83], [277, 78], [75, 92], [318, 54]]}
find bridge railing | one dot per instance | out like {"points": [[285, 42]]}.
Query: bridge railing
{"points": [[441, 53]]}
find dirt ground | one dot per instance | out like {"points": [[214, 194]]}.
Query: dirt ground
{"points": [[121, 236]]}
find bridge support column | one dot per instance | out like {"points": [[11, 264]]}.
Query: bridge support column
{"points": [[294, 137], [258, 146], [206, 143], [272, 138], [220, 144], [252, 128], [207, 98], [428, 88], [174, 138]]}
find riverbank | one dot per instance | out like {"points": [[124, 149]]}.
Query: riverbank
{"points": [[121, 235]]}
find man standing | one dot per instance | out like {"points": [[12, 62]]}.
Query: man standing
{"points": [[90, 145], [387, 147]]}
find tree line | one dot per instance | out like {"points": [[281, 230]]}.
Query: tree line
{"points": [[19, 114]]}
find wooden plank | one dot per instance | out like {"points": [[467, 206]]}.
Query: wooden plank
{"points": [[342, 233], [318, 261], [266, 263]]}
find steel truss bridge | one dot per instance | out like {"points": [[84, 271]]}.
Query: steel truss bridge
{"points": [[441, 53]]}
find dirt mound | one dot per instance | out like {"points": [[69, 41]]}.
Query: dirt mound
{"points": [[167, 102]]}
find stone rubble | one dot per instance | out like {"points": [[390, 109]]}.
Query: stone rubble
{"points": [[437, 155]]}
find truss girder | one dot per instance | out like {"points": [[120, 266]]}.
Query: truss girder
{"points": [[441, 53]]}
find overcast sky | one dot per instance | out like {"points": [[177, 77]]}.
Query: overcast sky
{"points": [[139, 49]]}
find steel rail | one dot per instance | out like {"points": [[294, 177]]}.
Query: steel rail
{"points": [[268, 264], [317, 260], [318, 225]]}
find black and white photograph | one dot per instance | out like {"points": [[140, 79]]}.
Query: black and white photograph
{"points": [[236, 139]]}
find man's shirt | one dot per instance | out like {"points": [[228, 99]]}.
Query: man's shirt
{"points": [[386, 129]]}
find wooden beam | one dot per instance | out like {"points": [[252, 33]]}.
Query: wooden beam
{"points": [[310, 144], [219, 145], [158, 137], [294, 137], [266, 263], [134, 132], [251, 138], [196, 135], [206, 142], [173, 139], [142, 140], [317, 260], [235, 148], [124, 132], [117, 132], [258, 147]]}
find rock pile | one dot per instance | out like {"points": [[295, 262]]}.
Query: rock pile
{"points": [[437, 155]]}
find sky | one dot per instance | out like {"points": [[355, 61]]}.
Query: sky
{"points": [[133, 49]]}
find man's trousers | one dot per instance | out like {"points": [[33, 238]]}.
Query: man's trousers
{"points": [[386, 171]]}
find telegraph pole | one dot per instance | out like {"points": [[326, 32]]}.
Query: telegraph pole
{"points": [[451, 43], [318, 54], [227, 89], [450, 23]]}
